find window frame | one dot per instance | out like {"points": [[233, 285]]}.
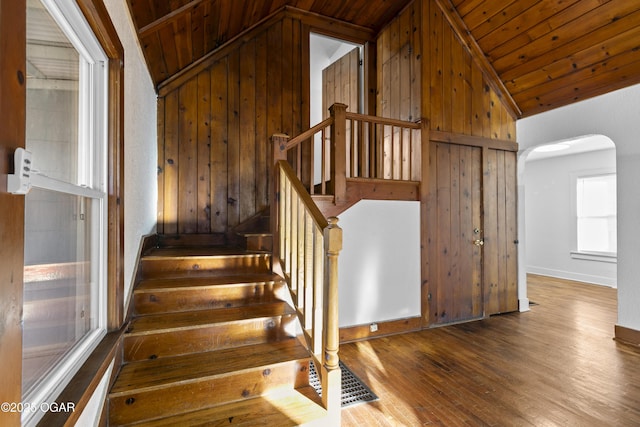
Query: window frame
{"points": [[609, 257]]}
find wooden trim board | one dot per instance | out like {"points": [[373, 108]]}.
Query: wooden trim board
{"points": [[627, 335], [84, 383], [391, 327]]}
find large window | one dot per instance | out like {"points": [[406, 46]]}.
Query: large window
{"points": [[65, 212], [596, 214]]}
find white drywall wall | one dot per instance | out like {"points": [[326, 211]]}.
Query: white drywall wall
{"points": [[379, 266], [617, 116], [140, 142], [551, 221]]}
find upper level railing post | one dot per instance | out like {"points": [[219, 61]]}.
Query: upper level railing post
{"points": [[338, 161], [331, 375], [279, 152]]}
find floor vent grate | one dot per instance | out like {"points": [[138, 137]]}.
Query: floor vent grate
{"points": [[353, 389]]}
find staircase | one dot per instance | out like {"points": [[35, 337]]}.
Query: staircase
{"points": [[212, 340]]}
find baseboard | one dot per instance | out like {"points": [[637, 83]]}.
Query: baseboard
{"points": [[391, 327], [627, 335], [570, 275]]}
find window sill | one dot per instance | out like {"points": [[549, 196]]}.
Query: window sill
{"points": [[595, 256], [84, 383]]}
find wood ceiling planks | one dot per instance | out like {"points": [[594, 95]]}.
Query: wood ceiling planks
{"points": [[551, 53], [546, 53], [175, 34]]}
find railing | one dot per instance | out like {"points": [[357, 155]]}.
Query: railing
{"points": [[306, 248], [348, 145], [320, 161]]}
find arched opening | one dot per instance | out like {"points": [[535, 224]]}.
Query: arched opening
{"points": [[568, 211]]}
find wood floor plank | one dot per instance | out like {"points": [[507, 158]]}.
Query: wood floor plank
{"points": [[554, 365]]}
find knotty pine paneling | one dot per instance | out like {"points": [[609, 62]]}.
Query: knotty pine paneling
{"points": [[455, 212], [500, 232], [398, 66], [340, 82], [457, 96], [176, 34], [214, 144]]}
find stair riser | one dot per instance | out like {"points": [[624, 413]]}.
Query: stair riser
{"points": [[209, 338], [179, 397], [259, 243], [166, 267], [169, 301]]}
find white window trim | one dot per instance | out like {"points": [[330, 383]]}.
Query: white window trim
{"points": [[92, 184], [595, 256], [610, 257]]}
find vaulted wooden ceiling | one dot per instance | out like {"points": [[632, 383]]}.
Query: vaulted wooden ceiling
{"points": [[546, 53]]}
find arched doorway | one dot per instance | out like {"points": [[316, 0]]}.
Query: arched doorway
{"points": [[567, 211]]}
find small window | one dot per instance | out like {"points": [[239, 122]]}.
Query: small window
{"points": [[596, 214]]}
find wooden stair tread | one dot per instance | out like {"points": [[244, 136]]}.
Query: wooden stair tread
{"points": [[323, 197], [286, 408], [197, 251], [200, 282], [159, 373], [154, 323]]}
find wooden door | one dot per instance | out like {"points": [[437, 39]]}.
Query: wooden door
{"points": [[500, 232], [341, 83], [455, 233]]}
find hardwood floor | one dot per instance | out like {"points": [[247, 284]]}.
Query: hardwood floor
{"points": [[556, 365]]}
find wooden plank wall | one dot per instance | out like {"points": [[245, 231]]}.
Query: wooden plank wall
{"points": [[425, 71], [213, 138], [399, 56], [500, 232], [457, 97], [340, 82]]}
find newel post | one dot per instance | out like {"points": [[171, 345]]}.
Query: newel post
{"points": [[331, 375], [279, 152], [338, 159]]}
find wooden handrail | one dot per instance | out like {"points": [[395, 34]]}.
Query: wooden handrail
{"points": [[305, 252], [308, 133], [305, 197], [382, 120]]}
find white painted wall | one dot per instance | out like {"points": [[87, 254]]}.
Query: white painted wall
{"points": [[140, 146], [90, 417], [551, 221], [617, 116], [379, 266]]}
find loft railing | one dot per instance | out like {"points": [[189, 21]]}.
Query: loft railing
{"points": [[352, 146], [305, 250]]}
